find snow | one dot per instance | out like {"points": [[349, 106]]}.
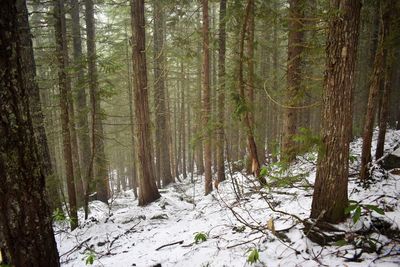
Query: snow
{"points": [[127, 235]]}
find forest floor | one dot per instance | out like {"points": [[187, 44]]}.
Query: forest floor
{"points": [[236, 222]]}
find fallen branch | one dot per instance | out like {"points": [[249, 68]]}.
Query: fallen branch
{"points": [[170, 244]]}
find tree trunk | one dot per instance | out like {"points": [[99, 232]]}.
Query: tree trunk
{"points": [[98, 155], [373, 92], [330, 190], [81, 106], [384, 109], [294, 68], [25, 221], [183, 125], [148, 191], [163, 160], [61, 48], [132, 166], [35, 104], [248, 26], [221, 91], [206, 100]]}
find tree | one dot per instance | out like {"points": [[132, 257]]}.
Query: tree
{"points": [[221, 91], [62, 59], [294, 67], [81, 105], [206, 108], [148, 191], [25, 221], [35, 104], [245, 101], [163, 159], [330, 190], [98, 154], [377, 75]]}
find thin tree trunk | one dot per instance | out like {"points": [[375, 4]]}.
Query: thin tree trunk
{"points": [[221, 91], [206, 100], [373, 92], [294, 68], [384, 110], [81, 105], [61, 48], [163, 158], [100, 164], [248, 26], [132, 166], [148, 191], [183, 126]]}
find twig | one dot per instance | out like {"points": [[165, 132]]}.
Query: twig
{"points": [[170, 244]]}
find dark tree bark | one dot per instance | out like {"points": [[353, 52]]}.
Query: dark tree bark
{"points": [[25, 218], [294, 68], [206, 109], [148, 190], [384, 107], [377, 75], [61, 48], [81, 105], [221, 91], [330, 190], [163, 160], [35, 103], [98, 155]]}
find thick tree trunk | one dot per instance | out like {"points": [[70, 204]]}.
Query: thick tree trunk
{"points": [[373, 92], [206, 100], [294, 68], [148, 191], [330, 190], [98, 155], [35, 104], [221, 92], [61, 50], [25, 218]]}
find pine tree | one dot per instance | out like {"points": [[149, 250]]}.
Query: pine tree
{"points": [[330, 190]]}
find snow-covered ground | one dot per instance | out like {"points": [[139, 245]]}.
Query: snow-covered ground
{"points": [[128, 235]]}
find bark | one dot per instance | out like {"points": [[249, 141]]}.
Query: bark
{"points": [[98, 155], [206, 108], [183, 126], [163, 159], [248, 27], [294, 69], [373, 93], [330, 190], [199, 142], [25, 218], [132, 166], [148, 190], [384, 107], [61, 48], [81, 104], [221, 91], [35, 103]]}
